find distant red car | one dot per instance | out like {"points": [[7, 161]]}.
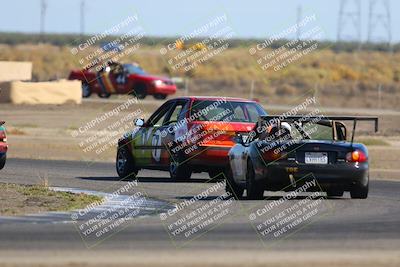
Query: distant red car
{"points": [[119, 78], [3, 145], [185, 135]]}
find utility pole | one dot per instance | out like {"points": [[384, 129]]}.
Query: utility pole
{"points": [[252, 90], [379, 16], [82, 18], [299, 17], [43, 8], [349, 13]]}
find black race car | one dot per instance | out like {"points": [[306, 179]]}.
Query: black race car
{"points": [[281, 151]]}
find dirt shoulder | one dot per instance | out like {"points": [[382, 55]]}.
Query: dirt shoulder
{"points": [[28, 199]]}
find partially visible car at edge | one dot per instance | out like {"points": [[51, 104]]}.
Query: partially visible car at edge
{"points": [[3, 145]]}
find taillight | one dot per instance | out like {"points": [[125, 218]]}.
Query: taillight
{"points": [[272, 155], [356, 156]]}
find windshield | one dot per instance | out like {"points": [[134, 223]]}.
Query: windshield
{"points": [[132, 69], [230, 111]]}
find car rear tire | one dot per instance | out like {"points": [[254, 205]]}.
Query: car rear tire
{"points": [[3, 161], [86, 92], [254, 189], [125, 165], [160, 96], [177, 171], [231, 187], [359, 191]]}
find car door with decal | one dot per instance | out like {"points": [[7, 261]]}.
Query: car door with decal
{"points": [[164, 136], [147, 139]]}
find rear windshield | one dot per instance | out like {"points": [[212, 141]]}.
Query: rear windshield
{"points": [[230, 111]]}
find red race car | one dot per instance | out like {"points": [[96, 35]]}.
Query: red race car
{"points": [[185, 135], [118, 78], [3, 145]]}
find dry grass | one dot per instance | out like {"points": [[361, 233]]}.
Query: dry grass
{"points": [[15, 131], [341, 78], [23, 199]]}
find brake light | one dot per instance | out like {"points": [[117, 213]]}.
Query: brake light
{"points": [[356, 156], [272, 155]]}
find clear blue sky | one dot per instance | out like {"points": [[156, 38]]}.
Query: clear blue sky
{"points": [[250, 18]]}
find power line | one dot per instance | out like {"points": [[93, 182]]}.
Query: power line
{"points": [[349, 13], [379, 16], [43, 8]]}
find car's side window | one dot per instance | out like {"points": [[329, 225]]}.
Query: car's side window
{"points": [[239, 113], [175, 113], [158, 118]]}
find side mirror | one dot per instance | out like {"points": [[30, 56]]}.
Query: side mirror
{"points": [[139, 122]]}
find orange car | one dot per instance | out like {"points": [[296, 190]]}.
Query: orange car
{"points": [[185, 135]]}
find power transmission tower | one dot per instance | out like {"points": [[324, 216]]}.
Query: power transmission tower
{"points": [[379, 16], [349, 13], [43, 8], [82, 18]]}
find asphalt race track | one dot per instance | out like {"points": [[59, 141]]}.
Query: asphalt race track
{"points": [[371, 224]]}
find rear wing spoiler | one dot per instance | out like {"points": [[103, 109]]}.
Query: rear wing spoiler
{"points": [[279, 118]]}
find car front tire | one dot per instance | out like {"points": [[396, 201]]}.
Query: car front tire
{"points": [[140, 91], [124, 164], [3, 161]]}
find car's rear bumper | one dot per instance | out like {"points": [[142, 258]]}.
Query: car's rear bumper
{"points": [[277, 176], [209, 157]]}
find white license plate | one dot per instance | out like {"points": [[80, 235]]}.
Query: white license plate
{"points": [[316, 157]]}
